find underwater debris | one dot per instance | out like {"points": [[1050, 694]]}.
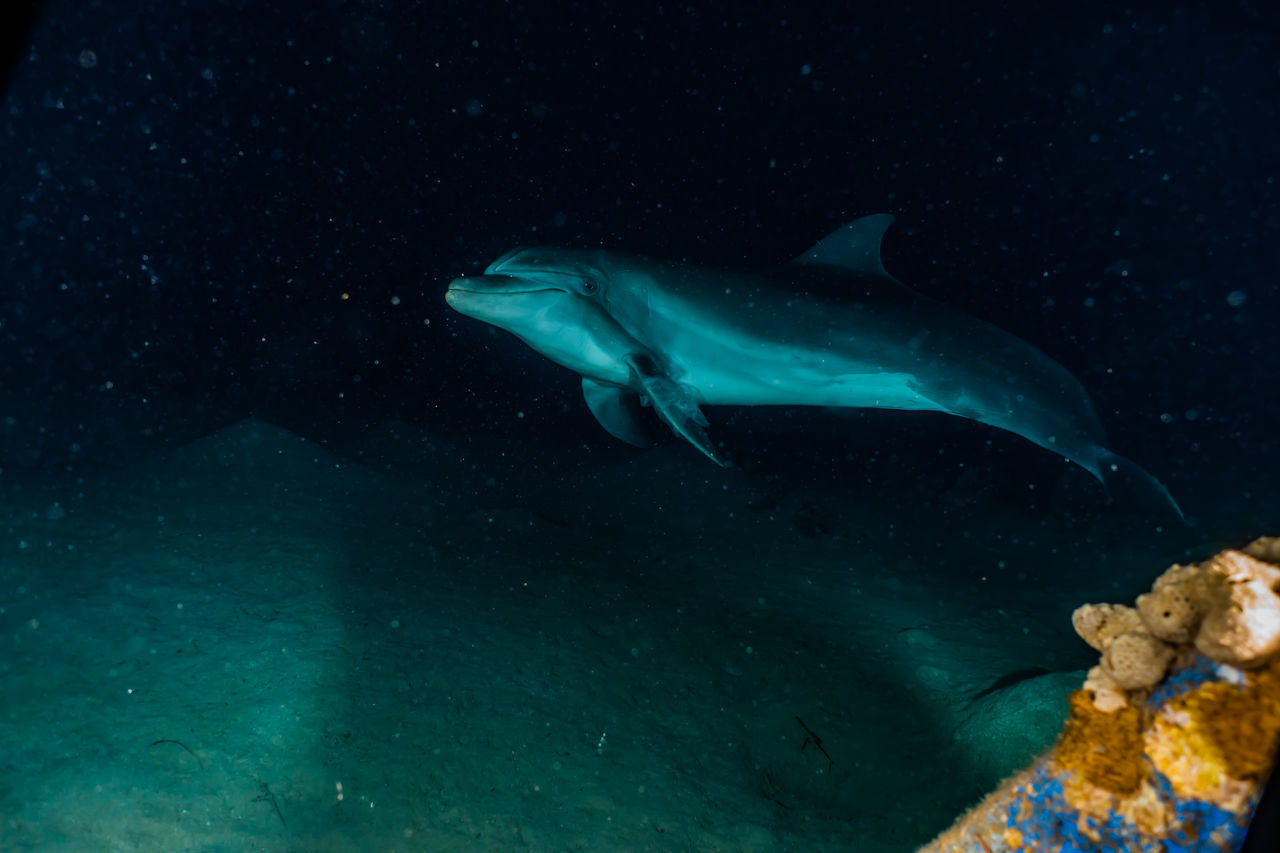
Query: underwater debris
{"points": [[162, 740], [1008, 680], [811, 737], [267, 796], [1170, 740]]}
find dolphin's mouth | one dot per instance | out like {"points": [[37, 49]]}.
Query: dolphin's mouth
{"points": [[525, 271], [508, 284], [493, 285]]}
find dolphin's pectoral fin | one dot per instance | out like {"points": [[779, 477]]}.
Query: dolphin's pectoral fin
{"points": [[675, 405], [617, 410]]}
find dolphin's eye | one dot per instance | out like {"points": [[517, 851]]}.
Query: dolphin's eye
{"points": [[589, 285]]}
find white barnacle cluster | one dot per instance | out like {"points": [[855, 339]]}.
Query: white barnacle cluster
{"points": [[1227, 608]]}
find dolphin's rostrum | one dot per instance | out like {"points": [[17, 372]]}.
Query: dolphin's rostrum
{"points": [[675, 336]]}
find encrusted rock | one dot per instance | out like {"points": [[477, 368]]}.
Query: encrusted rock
{"points": [[1242, 626], [1136, 660], [1177, 602], [1265, 548], [1099, 624], [1107, 695]]}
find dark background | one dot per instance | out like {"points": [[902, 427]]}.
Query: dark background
{"points": [[217, 209]]}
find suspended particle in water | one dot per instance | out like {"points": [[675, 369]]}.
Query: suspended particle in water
{"points": [[88, 59]]}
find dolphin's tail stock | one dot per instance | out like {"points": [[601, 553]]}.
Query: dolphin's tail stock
{"points": [[1129, 482]]}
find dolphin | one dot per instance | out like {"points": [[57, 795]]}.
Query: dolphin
{"points": [[830, 328]]}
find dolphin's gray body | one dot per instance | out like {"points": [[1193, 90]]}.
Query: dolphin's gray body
{"points": [[675, 336]]}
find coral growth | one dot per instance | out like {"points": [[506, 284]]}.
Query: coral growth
{"points": [[1169, 741]]}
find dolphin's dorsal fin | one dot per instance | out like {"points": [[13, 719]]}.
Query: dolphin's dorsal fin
{"points": [[854, 246]]}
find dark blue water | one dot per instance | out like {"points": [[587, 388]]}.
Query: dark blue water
{"points": [[216, 211]]}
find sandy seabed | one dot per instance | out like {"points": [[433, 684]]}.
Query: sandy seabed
{"points": [[253, 644]]}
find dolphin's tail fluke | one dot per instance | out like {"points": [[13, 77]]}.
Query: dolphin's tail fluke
{"points": [[1126, 480]]}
